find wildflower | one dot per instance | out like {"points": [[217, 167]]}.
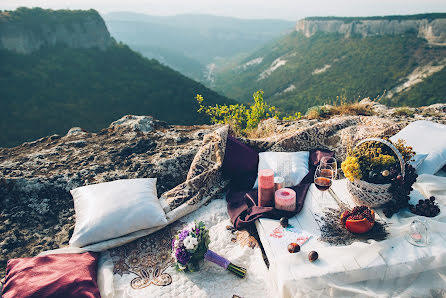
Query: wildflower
{"points": [[182, 256], [190, 242]]}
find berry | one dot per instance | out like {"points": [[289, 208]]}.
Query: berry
{"points": [[400, 189], [426, 207]]}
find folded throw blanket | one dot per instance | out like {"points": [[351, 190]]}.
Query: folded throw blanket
{"points": [[243, 206]]}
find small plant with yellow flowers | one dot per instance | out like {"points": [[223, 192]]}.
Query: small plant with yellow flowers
{"points": [[374, 162]]}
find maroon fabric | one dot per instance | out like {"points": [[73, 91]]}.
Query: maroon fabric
{"points": [[240, 164], [243, 206], [58, 275]]}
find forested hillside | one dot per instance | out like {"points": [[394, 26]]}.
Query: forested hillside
{"points": [[297, 72], [56, 88]]}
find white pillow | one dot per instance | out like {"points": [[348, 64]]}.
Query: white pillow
{"points": [[292, 166], [429, 138], [417, 160], [114, 209]]}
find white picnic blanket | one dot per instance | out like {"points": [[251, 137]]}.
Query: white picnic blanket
{"points": [[388, 268], [210, 281]]}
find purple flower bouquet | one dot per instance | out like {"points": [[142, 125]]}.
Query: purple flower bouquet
{"points": [[190, 246]]}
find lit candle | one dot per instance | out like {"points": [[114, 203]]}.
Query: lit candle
{"points": [[266, 188], [285, 199]]}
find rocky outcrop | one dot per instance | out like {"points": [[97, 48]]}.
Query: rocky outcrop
{"points": [[27, 30], [434, 31], [36, 208]]}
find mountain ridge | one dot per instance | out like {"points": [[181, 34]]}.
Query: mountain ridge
{"points": [[27, 30], [431, 27], [330, 64]]}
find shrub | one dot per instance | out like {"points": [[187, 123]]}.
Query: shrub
{"points": [[403, 111], [241, 118]]}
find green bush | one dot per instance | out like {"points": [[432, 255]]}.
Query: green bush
{"points": [[243, 119]]}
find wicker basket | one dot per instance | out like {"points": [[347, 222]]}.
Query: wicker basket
{"points": [[370, 194]]}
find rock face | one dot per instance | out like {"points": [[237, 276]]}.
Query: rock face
{"points": [[42, 28], [36, 208], [434, 31]]}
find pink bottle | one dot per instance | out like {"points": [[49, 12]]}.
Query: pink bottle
{"points": [[266, 188]]}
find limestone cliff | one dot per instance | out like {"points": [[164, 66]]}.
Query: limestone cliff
{"points": [[433, 29], [27, 30]]}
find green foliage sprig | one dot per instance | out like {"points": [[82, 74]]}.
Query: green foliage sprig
{"points": [[242, 118]]}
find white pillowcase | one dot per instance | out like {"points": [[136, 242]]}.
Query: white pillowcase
{"points": [[114, 209], [292, 166], [429, 138], [417, 160]]}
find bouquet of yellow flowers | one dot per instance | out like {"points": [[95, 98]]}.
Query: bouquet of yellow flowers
{"points": [[379, 174], [375, 162]]}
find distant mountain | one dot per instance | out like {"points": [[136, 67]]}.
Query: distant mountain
{"points": [[50, 88], [400, 57], [190, 43]]}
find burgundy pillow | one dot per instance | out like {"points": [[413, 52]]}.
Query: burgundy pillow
{"points": [[57, 275], [240, 164]]}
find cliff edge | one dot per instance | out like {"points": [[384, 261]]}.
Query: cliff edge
{"points": [[36, 208], [27, 30], [431, 27]]}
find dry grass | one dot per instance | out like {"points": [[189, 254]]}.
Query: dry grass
{"points": [[403, 111], [313, 113], [342, 109], [352, 109], [262, 131]]}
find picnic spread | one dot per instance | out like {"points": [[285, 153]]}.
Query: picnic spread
{"points": [[341, 207]]}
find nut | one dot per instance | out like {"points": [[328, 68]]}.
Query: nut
{"points": [[284, 222], [312, 256], [293, 247]]}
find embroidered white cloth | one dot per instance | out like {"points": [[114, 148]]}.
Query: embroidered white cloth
{"points": [[210, 281], [392, 267]]}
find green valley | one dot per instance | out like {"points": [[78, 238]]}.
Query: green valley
{"points": [[297, 72], [57, 87], [191, 43]]}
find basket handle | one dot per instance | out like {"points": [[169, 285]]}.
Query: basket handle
{"points": [[391, 146]]}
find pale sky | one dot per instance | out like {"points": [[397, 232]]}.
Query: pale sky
{"points": [[271, 9]]}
